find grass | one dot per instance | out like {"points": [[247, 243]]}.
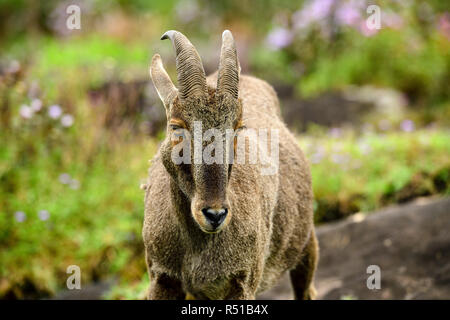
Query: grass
{"points": [[388, 60], [363, 173], [107, 200], [68, 194]]}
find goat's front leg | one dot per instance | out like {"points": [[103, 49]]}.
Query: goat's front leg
{"points": [[164, 287], [243, 295], [241, 289]]}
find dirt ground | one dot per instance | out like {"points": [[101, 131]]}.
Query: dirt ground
{"points": [[410, 244]]}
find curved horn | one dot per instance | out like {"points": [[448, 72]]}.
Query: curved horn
{"points": [[191, 76], [228, 78]]}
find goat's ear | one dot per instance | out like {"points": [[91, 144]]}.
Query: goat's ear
{"points": [[164, 86]]}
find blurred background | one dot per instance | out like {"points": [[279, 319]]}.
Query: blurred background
{"points": [[79, 118]]}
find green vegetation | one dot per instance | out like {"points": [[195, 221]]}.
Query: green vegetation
{"points": [[363, 173], [59, 182], [64, 174]]}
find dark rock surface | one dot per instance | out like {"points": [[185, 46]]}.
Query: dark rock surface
{"points": [[410, 244]]}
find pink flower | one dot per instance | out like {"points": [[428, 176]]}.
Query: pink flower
{"points": [[319, 9], [407, 125], [444, 25], [348, 14], [314, 11], [54, 111], [365, 30]]}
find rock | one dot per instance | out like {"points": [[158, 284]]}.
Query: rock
{"points": [[410, 244], [348, 106]]}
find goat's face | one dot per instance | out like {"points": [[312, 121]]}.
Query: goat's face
{"points": [[201, 128]]}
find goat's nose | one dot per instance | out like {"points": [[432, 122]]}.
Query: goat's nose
{"points": [[215, 217]]}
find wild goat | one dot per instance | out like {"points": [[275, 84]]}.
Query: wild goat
{"points": [[224, 230]]}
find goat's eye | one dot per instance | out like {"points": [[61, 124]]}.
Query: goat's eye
{"points": [[174, 127], [179, 132]]}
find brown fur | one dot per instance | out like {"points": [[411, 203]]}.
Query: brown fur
{"points": [[269, 229]]}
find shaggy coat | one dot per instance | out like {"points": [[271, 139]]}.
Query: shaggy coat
{"points": [[269, 228]]}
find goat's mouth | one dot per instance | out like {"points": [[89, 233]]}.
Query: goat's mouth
{"points": [[210, 225], [212, 229]]}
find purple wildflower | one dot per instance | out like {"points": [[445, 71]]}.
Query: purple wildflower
{"points": [[54, 111], [65, 178], [314, 11], [335, 132], [44, 215], [348, 14], [279, 38], [20, 216], [318, 9], [407, 125]]}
